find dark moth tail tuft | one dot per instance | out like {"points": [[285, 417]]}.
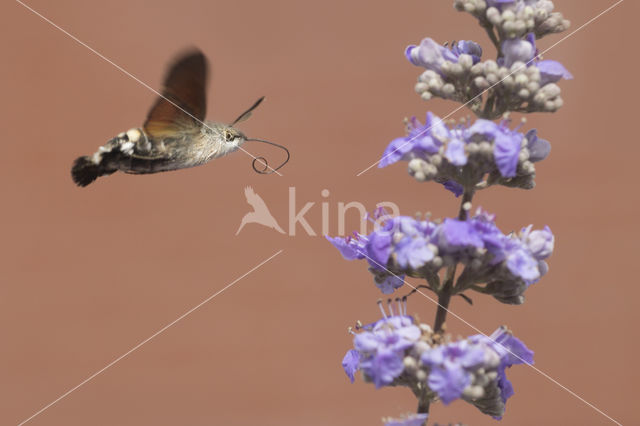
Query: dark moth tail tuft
{"points": [[84, 171]]}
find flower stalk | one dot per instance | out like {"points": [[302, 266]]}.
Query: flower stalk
{"points": [[465, 157]]}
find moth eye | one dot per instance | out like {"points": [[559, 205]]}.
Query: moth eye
{"points": [[228, 136]]}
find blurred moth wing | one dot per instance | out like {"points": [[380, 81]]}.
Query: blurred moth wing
{"points": [[183, 105]]}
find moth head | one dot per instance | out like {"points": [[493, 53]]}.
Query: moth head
{"points": [[232, 136]]}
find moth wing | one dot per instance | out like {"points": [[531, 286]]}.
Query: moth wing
{"points": [[182, 106]]}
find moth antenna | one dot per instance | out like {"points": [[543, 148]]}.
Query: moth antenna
{"points": [[245, 115], [267, 170]]}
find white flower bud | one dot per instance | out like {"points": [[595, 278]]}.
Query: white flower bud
{"points": [[473, 392], [508, 15], [520, 26], [421, 346], [493, 15], [485, 148], [518, 67], [456, 69], [448, 89], [490, 66], [477, 69], [508, 27], [527, 12], [524, 93], [528, 168], [508, 82], [410, 363], [533, 86], [559, 102], [426, 329], [480, 82], [551, 90], [435, 84], [421, 87], [539, 98], [521, 79], [465, 61], [415, 164]]}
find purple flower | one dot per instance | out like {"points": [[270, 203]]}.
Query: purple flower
{"points": [[410, 420], [422, 139], [350, 363], [519, 50], [455, 368], [540, 242], [419, 248], [466, 152], [454, 187], [552, 71], [413, 253], [521, 263], [350, 248], [378, 249], [459, 234], [500, 3], [389, 283], [396, 150], [538, 148], [432, 55], [455, 153], [506, 150], [381, 349], [512, 352]]}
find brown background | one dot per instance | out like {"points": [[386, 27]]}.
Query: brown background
{"points": [[89, 273]]}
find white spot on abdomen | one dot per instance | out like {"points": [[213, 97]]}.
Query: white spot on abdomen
{"points": [[127, 148], [134, 135]]}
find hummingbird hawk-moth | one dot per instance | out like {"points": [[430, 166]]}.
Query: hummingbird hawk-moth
{"points": [[174, 135]]}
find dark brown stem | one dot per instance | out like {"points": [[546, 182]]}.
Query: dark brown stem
{"points": [[443, 306], [488, 27], [467, 196], [447, 290], [423, 407]]}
